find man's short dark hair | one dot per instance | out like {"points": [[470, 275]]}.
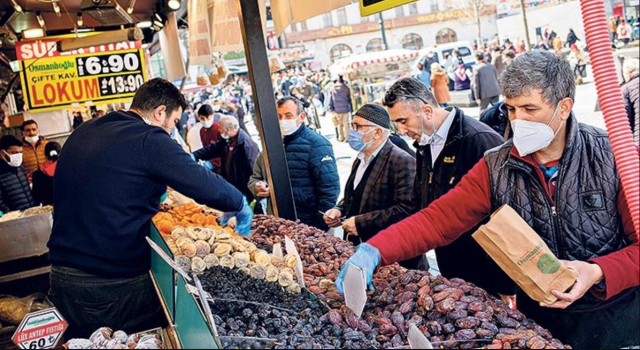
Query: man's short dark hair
{"points": [[411, 87], [49, 148], [298, 103], [8, 141], [480, 56], [158, 92], [205, 110], [27, 123]]}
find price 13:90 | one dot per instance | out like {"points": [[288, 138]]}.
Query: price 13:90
{"points": [[121, 84]]}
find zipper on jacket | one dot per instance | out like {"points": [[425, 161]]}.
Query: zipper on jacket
{"points": [[554, 212]]}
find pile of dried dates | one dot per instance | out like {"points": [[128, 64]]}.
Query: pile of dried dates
{"points": [[451, 313]]}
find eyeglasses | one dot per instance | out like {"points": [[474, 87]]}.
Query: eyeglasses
{"points": [[358, 127]]}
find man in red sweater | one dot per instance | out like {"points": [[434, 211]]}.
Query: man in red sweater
{"points": [[560, 176], [210, 133]]}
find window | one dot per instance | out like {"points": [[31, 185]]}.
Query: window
{"points": [[375, 45], [446, 36], [413, 9], [327, 20], [303, 26], [434, 6], [412, 42], [340, 51], [399, 11], [342, 17]]}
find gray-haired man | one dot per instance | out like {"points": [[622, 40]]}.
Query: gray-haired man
{"points": [[237, 151], [560, 176]]}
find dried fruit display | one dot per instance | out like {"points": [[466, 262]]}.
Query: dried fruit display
{"points": [[450, 311], [106, 338], [187, 215]]}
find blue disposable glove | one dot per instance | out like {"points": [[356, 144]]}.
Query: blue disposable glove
{"points": [[193, 156], [1, 214], [207, 165], [244, 218], [367, 257], [164, 197]]}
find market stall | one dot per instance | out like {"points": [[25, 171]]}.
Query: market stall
{"points": [[370, 74]]}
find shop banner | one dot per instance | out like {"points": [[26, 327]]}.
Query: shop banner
{"points": [[199, 33], [226, 35], [53, 80]]}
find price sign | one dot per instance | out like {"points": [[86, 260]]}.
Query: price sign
{"points": [[103, 74], [40, 330], [369, 7], [355, 289]]}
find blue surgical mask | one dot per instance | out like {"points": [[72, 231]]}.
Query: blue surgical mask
{"points": [[355, 140]]}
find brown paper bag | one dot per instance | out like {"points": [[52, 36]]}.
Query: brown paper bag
{"points": [[524, 256]]}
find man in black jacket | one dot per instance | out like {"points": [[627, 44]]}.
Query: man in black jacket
{"points": [[449, 144], [380, 188], [109, 180], [237, 152], [15, 193]]}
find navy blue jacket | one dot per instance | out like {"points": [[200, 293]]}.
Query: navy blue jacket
{"points": [[314, 175], [109, 180], [243, 157]]}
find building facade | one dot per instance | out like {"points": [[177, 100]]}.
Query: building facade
{"points": [[415, 26]]}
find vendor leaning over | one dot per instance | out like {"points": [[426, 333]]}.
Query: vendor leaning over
{"points": [[109, 181], [560, 176]]}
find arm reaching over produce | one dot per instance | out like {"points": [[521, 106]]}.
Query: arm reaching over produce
{"points": [[244, 217]]}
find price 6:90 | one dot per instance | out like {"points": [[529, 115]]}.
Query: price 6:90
{"points": [[116, 64]]}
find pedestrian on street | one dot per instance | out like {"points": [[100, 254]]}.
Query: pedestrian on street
{"points": [[108, 184], [209, 134], [561, 178], [15, 193], [312, 167], [340, 104], [572, 38], [380, 188], [462, 81], [613, 29], [237, 153], [484, 83], [625, 32], [424, 75], [579, 62], [440, 84], [43, 177], [630, 93], [33, 145], [557, 44], [496, 61], [449, 144]]}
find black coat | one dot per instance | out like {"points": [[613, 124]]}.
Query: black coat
{"points": [[497, 117], [42, 188], [466, 144], [387, 192], [15, 193], [243, 158]]}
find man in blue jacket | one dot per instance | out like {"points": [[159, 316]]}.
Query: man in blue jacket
{"points": [[109, 181], [312, 166]]}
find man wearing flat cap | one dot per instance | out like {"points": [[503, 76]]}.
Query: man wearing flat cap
{"points": [[380, 187]]}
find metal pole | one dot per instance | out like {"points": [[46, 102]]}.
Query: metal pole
{"points": [[527, 38], [263, 97], [383, 31]]}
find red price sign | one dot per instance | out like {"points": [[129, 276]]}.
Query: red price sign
{"points": [[40, 330]]}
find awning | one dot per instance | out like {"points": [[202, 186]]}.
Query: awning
{"points": [[371, 58], [287, 12]]}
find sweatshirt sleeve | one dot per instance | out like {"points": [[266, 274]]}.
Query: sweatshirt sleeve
{"points": [[440, 223], [620, 268], [176, 168]]}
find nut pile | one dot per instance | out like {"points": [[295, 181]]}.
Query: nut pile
{"points": [[197, 249], [106, 338], [452, 312]]}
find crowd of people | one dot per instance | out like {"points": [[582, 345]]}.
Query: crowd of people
{"points": [[27, 169]]}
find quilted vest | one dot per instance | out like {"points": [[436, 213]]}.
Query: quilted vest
{"points": [[584, 222]]}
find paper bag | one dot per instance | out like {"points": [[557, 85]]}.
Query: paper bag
{"points": [[524, 256]]}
